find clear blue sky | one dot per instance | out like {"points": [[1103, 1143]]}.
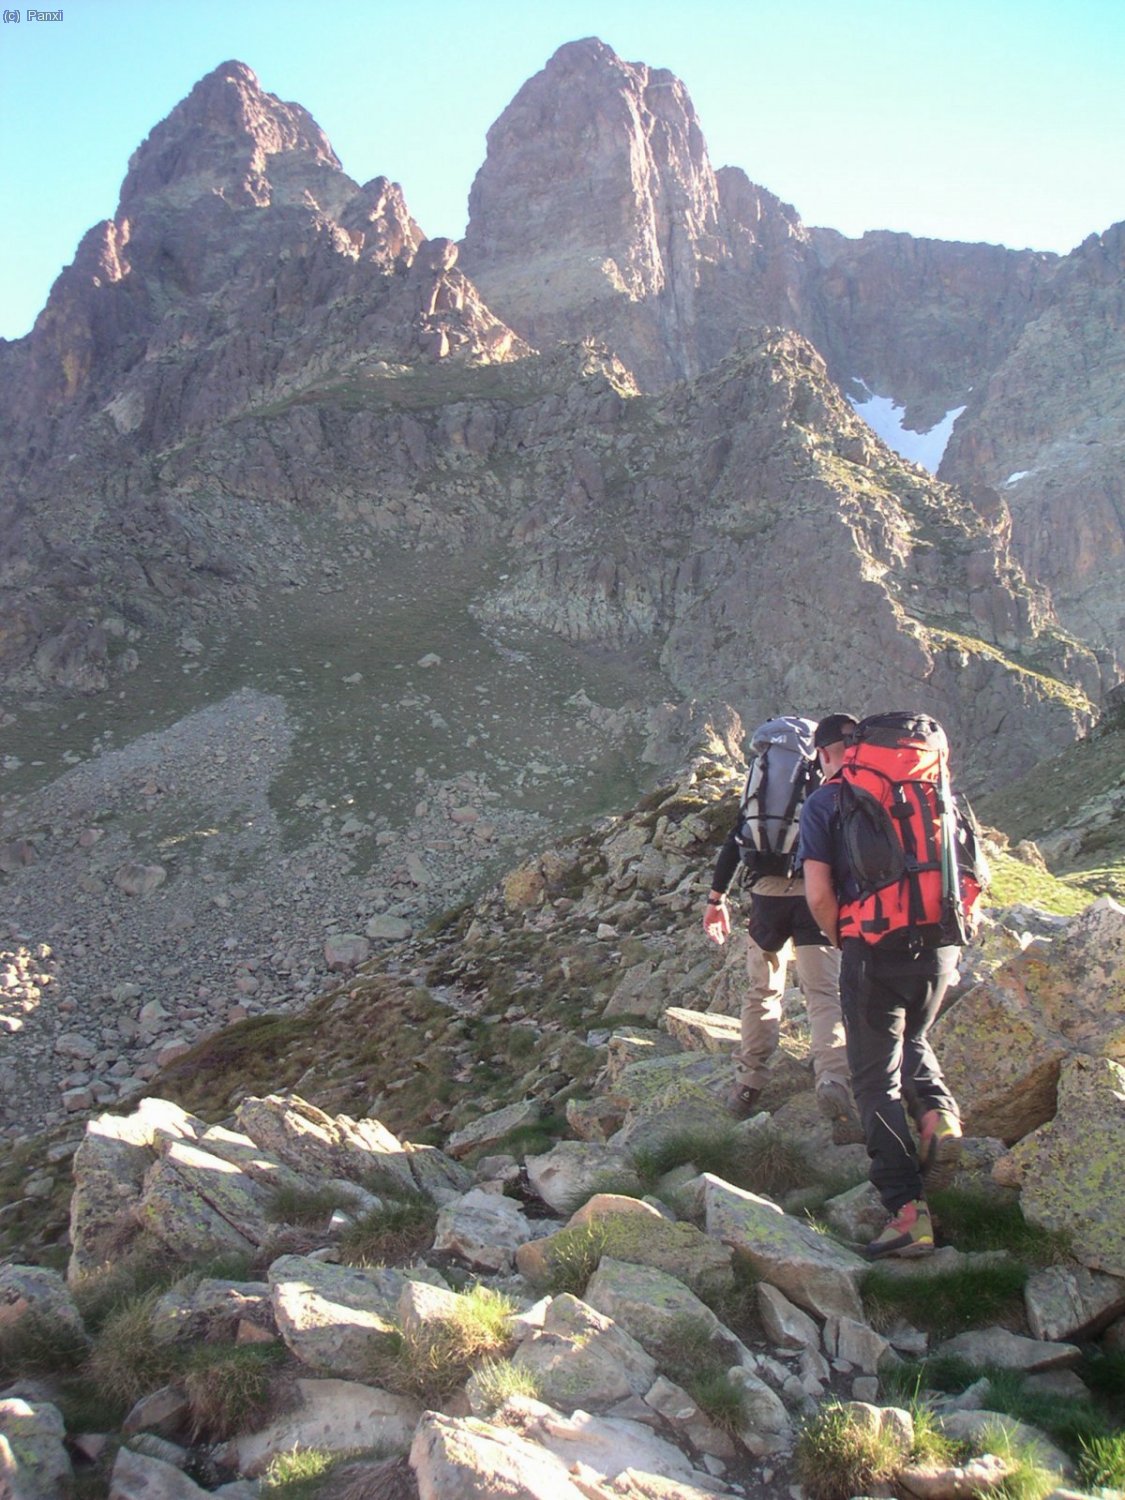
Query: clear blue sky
{"points": [[996, 120]]}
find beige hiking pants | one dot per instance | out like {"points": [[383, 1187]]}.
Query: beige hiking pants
{"points": [[818, 974]]}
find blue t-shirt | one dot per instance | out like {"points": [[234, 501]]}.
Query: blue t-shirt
{"points": [[820, 839]]}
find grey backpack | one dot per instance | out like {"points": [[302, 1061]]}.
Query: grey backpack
{"points": [[783, 770]]}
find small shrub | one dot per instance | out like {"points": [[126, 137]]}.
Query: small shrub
{"points": [[299, 1474], [308, 1206], [144, 1268], [401, 1229], [737, 1306], [228, 1388], [497, 1379], [685, 1349], [1101, 1461], [574, 1257], [719, 1398], [36, 1344], [125, 1361], [837, 1457]]}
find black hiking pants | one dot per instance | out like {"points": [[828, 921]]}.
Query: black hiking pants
{"points": [[889, 1003]]}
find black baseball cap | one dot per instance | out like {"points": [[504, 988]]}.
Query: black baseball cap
{"points": [[832, 729]]}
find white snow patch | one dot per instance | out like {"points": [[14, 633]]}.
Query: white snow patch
{"points": [[885, 420], [1017, 476]]}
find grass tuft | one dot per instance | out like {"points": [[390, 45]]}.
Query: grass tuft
{"points": [[229, 1388], [948, 1303], [836, 1457], [719, 1398], [1101, 1461], [125, 1361], [574, 1256], [36, 1344], [311, 1207], [299, 1474], [498, 1379], [434, 1358], [766, 1161], [401, 1229], [1029, 1479], [976, 1221]]}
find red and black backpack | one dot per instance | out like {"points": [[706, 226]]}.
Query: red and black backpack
{"points": [[914, 851]]}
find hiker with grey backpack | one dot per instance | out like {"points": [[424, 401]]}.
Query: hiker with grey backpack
{"points": [[782, 772], [893, 876]]}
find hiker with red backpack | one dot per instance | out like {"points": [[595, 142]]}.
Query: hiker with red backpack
{"points": [[763, 841], [892, 875]]}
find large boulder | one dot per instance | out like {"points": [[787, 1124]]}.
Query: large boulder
{"points": [[651, 1306], [1070, 1169], [109, 1173], [458, 1458], [330, 1415], [809, 1268], [33, 1461], [42, 1294], [336, 1318], [1002, 1045], [581, 1358], [316, 1144]]}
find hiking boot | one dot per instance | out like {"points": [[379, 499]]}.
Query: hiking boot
{"points": [[835, 1103], [742, 1101], [909, 1232], [939, 1147]]}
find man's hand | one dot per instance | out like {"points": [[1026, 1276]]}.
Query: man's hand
{"points": [[716, 919]]}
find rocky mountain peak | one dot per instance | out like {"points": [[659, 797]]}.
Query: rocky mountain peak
{"points": [[221, 138], [596, 193]]}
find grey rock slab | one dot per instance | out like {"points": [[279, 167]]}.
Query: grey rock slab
{"points": [[811, 1269], [581, 1358], [483, 1229], [41, 1292], [1071, 1302], [784, 1322], [701, 1031], [317, 1144], [337, 1415], [601, 1444], [465, 1458], [436, 1174], [684, 1416], [172, 1211], [570, 1172], [1010, 1351], [334, 1318], [212, 1310], [856, 1342], [975, 1426], [109, 1171], [650, 1304], [766, 1427], [484, 1133], [33, 1460], [137, 1476]]}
